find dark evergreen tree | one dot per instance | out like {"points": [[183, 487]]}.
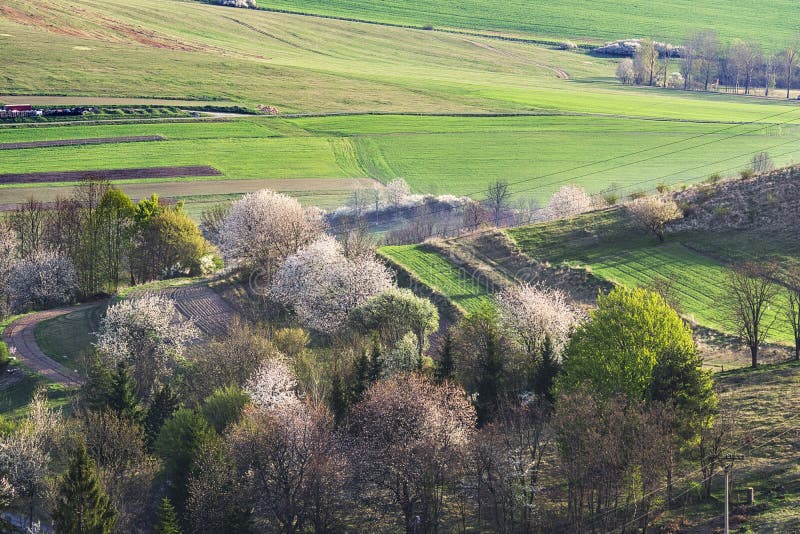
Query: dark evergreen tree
{"points": [[490, 380], [338, 399], [163, 406], [546, 372], [376, 362], [360, 379], [97, 389], [167, 519], [444, 370], [82, 507], [122, 395]]}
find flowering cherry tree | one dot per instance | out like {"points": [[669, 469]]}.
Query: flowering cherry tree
{"points": [[148, 333], [535, 313], [568, 201], [43, 279], [273, 385], [322, 285], [263, 228]]}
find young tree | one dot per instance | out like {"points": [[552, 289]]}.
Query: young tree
{"points": [[653, 213], [445, 365], [409, 439], [568, 201], [790, 56], [82, 506], [164, 404], [396, 191], [224, 407], [122, 394], [167, 519], [749, 294], [625, 72], [645, 62], [497, 198], [793, 308], [148, 333], [264, 228]]}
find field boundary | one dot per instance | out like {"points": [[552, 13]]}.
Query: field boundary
{"points": [[77, 142], [109, 174]]}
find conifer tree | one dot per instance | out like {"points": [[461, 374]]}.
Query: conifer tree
{"points": [[376, 362], [164, 405], [167, 519], [122, 396], [82, 507], [546, 372], [361, 378], [444, 371], [338, 399]]}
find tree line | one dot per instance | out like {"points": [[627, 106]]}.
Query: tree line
{"points": [[706, 63]]}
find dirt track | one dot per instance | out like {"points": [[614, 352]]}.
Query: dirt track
{"points": [[71, 142], [110, 174], [20, 335]]}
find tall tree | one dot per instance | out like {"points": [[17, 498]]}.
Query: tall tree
{"points": [[749, 293], [793, 308], [82, 507], [747, 57], [116, 211], [122, 394], [790, 55], [645, 62]]}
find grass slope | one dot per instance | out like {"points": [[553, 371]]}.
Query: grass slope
{"points": [[610, 246], [603, 19], [67, 338], [434, 271]]}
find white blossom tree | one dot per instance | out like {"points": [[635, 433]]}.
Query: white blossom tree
{"points": [[148, 333], [568, 201], [263, 228], [625, 72], [535, 313], [26, 453], [273, 385], [322, 285], [653, 213], [42, 280], [396, 191]]}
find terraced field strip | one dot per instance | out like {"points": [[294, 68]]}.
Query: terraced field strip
{"points": [[434, 271], [111, 174], [210, 312], [698, 283], [73, 142]]}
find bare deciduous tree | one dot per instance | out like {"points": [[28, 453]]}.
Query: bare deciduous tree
{"points": [[790, 55], [625, 72], [793, 309], [409, 440], [750, 291], [497, 197], [654, 213]]}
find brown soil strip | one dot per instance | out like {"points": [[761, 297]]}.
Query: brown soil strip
{"points": [[111, 174], [70, 142]]}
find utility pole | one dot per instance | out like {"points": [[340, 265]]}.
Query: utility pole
{"points": [[729, 459]]}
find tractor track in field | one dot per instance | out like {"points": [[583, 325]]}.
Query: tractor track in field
{"points": [[20, 336]]}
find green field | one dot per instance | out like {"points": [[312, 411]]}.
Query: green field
{"points": [[603, 19], [67, 338], [434, 271], [310, 157], [613, 249]]}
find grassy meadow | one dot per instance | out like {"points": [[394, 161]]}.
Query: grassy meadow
{"points": [[611, 247], [573, 19], [437, 273]]}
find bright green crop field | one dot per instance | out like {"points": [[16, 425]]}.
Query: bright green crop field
{"points": [[612, 248], [440, 275], [601, 19]]}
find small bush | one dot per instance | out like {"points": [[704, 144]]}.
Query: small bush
{"points": [[751, 214], [611, 198], [772, 198], [5, 357], [746, 174], [714, 178], [637, 195], [428, 27], [662, 188], [567, 45]]}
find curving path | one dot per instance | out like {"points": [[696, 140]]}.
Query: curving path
{"points": [[20, 335]]}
